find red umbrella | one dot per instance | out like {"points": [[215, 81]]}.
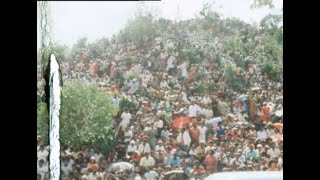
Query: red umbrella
{"points": [[279, 126], [181, 121]]}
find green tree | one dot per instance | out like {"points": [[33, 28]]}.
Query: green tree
{"points": [[86, 114], [79, 46]]}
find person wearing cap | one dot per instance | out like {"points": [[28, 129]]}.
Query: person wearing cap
{"points": [[127, 135], [132, 147], [160, 146], [92, 162]]}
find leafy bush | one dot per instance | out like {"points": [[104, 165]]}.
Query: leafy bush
{"points": [[270, 69], [85, 118]]}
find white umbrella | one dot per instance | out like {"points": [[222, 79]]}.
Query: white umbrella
{"points": [[120, 166], [214, 120]]}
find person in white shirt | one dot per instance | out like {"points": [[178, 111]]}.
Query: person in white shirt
{"points": [[164, 84], [261, 134], [147, 161], [42, 168], [160, 147], [193, 109], [42, 153], [202, 129], [184, 137], [273, 152], [236, 162], [170, 64], [127, 135], [144, 147], [206, 100], [150, 174], [192, 150], [66, 168], [97, 155], [125, 116], [132, 147]]}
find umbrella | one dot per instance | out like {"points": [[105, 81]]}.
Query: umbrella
{"points": [[242, 97], [279, 126], [180, 174], [120, 166], [214, 120], [279, 100], [255, 89], [148, 120], [181, 121]]}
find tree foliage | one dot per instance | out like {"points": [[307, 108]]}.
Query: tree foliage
{"points": [[85, 118]]}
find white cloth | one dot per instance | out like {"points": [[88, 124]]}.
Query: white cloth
{"points": [[206, 100], [150, 175], [164, 85], [186, 138], [147, 162], [158, 147], [193, 110], [132, 148], [262, 135], [170, 64], [202, 135], [42, 170], [43, 155], [144, 148], [128, 135], [159, 124], [273, 153]]}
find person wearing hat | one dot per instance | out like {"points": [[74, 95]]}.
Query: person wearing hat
{"points": [[92, 162], [160, 146], [132, 147]]}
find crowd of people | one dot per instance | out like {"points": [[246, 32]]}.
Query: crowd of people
{"points": [[170, 124]]}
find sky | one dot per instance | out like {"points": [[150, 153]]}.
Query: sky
{"points": [[71, 19]]}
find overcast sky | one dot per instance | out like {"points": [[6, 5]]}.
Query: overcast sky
{"points": [[71, 20]]}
